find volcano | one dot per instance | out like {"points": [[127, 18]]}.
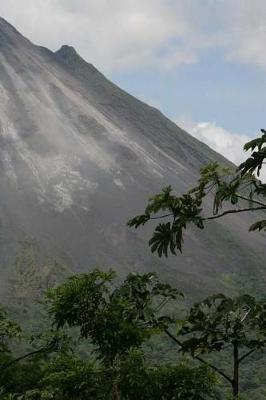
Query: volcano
{"points": [[79, 157]]}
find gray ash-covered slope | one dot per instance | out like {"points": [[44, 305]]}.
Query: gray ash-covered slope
{"points": [[79, 157]]}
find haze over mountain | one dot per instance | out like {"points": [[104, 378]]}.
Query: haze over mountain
{"points": [[79, 157]]}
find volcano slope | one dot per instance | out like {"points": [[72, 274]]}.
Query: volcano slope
{"points": [[79, 157]]}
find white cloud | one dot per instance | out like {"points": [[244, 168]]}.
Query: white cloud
{"points": [[112, 34], [229, 144], [145, 33], [243, 33]]}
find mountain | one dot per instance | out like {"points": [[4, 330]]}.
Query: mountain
{"points": [[79, 157]]}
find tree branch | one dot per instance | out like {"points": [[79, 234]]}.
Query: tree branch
{"points": [[161, 305], [245, 355], [235, 212], [162, 216], [32, 353], [262, 207], [251, 200], [199, 358], [214, 368]]}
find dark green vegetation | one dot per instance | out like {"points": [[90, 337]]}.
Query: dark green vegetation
{"points": [[113, 322], [218, 323], [94, 343]]}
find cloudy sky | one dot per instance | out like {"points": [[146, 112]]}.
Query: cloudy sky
{"points": [[202, 62]]}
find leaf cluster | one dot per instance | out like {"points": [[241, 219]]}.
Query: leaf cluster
{"points": [[219, 321], [181, 210], [230, 191]]}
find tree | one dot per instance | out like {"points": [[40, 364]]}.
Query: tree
{"points": [[221, 323], [115, 320], [209, 324], [240, 188], [118, 321]]}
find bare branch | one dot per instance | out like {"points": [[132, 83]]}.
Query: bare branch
{"points": [[199, 358], [32, 353], [246, 314], [235, 212], [245, 356], [251, 200]]}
